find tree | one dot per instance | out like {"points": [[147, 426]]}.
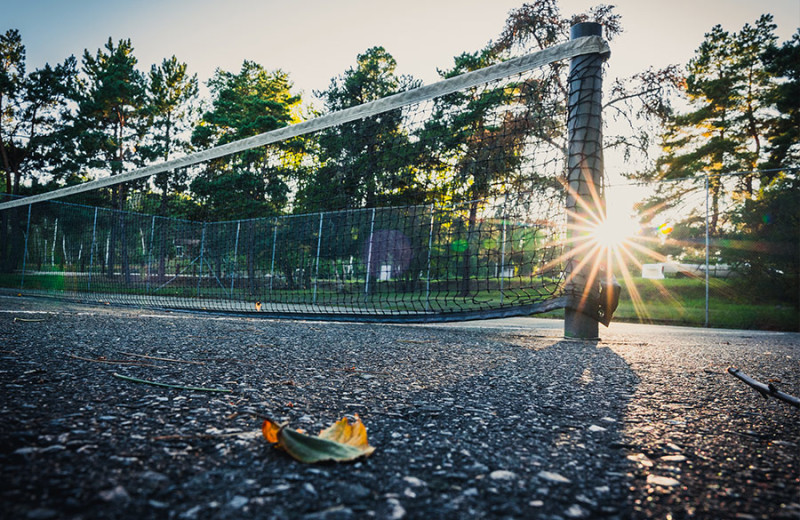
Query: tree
{"points": [[475, 139], [783, 133], [361, 164], [723, 130], [30, 106], [253, 183], [171, 92], [108, 126], [767, 229], [12, 74]]}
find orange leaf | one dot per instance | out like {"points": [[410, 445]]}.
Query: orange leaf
{"points": [[345, 433], [270, 431], [343, 441]]}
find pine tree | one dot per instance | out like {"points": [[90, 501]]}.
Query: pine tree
{"points": [[253, 183], [171, 92], [722, 132], [359, 162], [108, 126]]}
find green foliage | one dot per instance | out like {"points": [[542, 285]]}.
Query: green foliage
{"points": [[253, 183], [766, 241], [364, 163], [108, 124], [783, 133], [30, 106], [727, 89]]}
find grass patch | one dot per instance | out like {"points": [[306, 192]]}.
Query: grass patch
{"points": [[681, 301]]}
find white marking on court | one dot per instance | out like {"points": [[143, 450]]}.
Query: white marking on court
{"points": [[27, 312]]}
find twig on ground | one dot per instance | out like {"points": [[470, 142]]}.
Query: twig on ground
{"points": [[163, 358], [26, 320], [181, 437], [115, 361], [765, 390], [178, 387]]}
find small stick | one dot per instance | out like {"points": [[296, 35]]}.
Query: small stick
{"points": [[162, 358], [765, 390], [178, 437], [115, 361], [24, 320], [179, 387]]}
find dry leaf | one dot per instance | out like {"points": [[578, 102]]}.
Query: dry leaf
{"points": [[341, 442]]}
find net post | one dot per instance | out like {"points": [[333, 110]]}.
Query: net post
{"points": [[585, 202]]}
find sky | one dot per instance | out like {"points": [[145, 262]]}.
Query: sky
{"points": [[316, 40]]}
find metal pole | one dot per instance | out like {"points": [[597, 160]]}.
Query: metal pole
{"points": [[369, 254], [235, 254], [25, 253], [91, 252], [584, 193], [316, 267], [150, 251], [428, 278], [503, 250], [272, 267], [707, 243], [202, 251]]}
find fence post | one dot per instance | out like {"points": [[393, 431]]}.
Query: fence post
{"points": [[202, 259], [91, 252], [428, 277], [503, 250], [316, 266], [584, 186], [369, 254], [150, 251], [235, 254], [707, 244], [25, 252], [272, 265]]}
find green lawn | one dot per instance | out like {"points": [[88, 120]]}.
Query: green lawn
{"points": [[674, 301], [681, 301]]}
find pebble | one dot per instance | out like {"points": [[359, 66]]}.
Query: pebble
{"points": [[395, 511], [190, 514], [116, 494], [595, 428], [576, 511], [414, 481], [502, 474], [553, 477], [656, 480], [238, 502], [673, 458]]}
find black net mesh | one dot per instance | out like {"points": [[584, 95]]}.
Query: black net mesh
{"points": [[444, 208]]}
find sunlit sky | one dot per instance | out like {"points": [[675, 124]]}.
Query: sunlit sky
{"points": [[315, 40]]}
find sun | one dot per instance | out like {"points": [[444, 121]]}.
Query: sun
{"points": [[615, 230]]}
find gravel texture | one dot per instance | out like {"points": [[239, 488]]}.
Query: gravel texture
{"points": [[503, 419]]}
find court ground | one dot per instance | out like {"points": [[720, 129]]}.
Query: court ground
{"points": [[494, 419]]}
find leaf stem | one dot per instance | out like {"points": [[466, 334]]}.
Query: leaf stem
{"points": [[179, 387]]}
